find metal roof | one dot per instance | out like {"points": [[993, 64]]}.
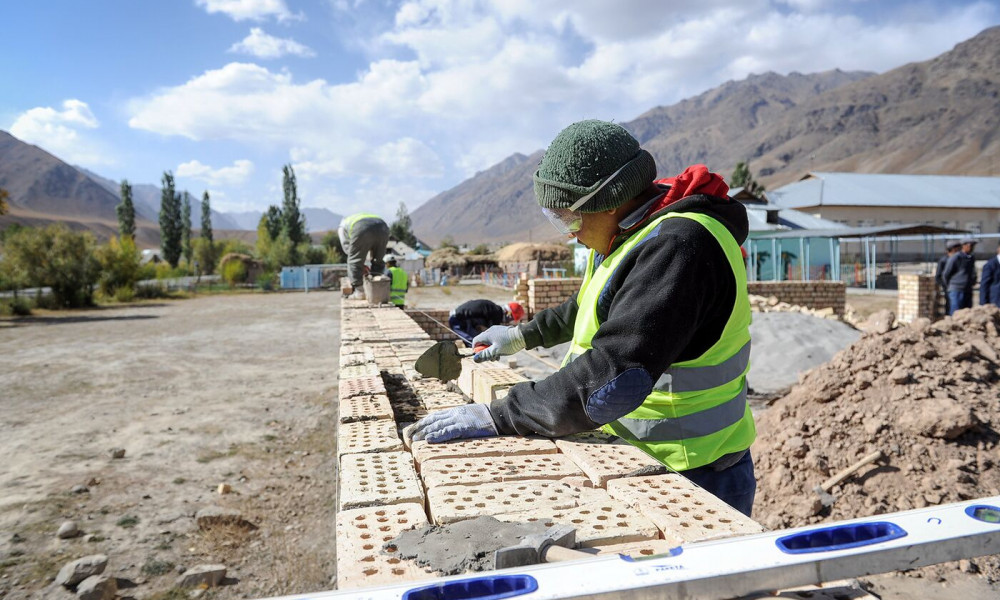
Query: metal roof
{"points": [[872, 189], [787, 219], [861, 232]]}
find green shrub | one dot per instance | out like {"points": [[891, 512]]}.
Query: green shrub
{"points": [[151, 290], [19, 307], [119, 260], [312, 255], [53, 257], [125, 294], [234, 272], [267, 280], [155, 567]]}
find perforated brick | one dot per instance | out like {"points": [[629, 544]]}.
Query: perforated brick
{"points": [[383, 350], [634, 549], [361, 386], [378, 480], [451, 503], [361, 535], [428, 385], [354, 304], [440, 400], [680, 509], [508, 445], [604, 462], [489, 382], [592, 437], [389, 363], [355, 371], [368, 436], [466, 378], [448, 471], [407, 408], [365, 356], [361, 408], [598, 523]]}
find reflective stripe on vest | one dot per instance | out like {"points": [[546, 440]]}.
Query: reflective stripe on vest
{"points": [[697, 411], [397, 291], [351, 220]]}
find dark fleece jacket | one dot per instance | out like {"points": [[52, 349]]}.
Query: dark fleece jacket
{"points": [[667, 302]]}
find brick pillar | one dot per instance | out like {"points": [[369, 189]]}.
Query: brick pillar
{"points": [[546, 293], [521, 294], [917, 298]]}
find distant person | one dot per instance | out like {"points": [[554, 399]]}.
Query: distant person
{"points": [[950, 248], [471, 318], [400, 283], [960, 275], [360, 235], [989, 287]]}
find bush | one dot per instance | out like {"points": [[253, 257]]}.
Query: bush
{"points": [[313, 255], [151, 290], [165, 271], [18, 307], [53, 257], [267, 280], [125, 294], [234, 271], [119, 261]]}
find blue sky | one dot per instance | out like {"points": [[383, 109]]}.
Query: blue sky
{"points": [[376, 102]]}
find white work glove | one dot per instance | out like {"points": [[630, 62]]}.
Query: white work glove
{"points": [[469, 421], [500, 341]]}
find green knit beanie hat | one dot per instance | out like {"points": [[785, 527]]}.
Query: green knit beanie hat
{"points": [[582, 160]]}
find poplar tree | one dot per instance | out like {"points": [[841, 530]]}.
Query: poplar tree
{"points": [[170, 221], [186, 228], [206, 218], [293, 222], [126, 212]]}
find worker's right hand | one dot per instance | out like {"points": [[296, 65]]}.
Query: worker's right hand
{"points": [[500, 341]]}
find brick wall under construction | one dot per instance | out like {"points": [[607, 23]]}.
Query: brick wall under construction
{"points": [[918, 297], [546, 293], [811, 294], [618, 498], [434, 321]]}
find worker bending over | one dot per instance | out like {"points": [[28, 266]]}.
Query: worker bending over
{"points": [[471, 318], [360, 235], [659, 331]]}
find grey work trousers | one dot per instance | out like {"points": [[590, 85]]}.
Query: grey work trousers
{"points": [[368, 236]]}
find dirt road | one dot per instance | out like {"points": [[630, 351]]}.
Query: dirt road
{"points": [[236, 389]]}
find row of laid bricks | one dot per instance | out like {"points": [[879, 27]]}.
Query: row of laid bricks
{"points": [[617, 497]]}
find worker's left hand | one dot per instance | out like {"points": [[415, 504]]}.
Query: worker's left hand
{"points": [[469, 421]]}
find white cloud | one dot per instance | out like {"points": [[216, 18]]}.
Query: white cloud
{"points": [[253, 10], [60, 132], [235, 175], [260, 44]]}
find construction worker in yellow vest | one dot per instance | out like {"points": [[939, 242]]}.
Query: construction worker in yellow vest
{"points": [[659, 330], [362, 234], [400, 283]]}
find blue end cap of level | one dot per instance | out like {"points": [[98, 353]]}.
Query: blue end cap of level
{"points": [[490, 587], [840, 537], [984, 513]]}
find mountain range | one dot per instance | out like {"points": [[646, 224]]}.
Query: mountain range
{"points": [[940, 116]]}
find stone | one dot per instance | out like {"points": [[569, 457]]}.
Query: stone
{"points": [[451, 503], [941, 418], [680, 509], [80, 489], [67, 530], [899, 375], [880, 322], [377, 435], [203, 576], [378, 480], [600, 523], [214, 516], [76, 571], [604, 462], [361, 536], [97, 587], [496, 468], [117, 453], [224, 488], [491, 446]]}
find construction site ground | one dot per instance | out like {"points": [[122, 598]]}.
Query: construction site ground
{"points": [[235, 394]]}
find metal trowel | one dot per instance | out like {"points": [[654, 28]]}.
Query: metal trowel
{"points": [[443, 360]]}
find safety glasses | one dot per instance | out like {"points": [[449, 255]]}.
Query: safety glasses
{"points": [[569, 220]]}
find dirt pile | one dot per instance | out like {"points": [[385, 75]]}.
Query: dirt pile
{"points": [[924, 394]]}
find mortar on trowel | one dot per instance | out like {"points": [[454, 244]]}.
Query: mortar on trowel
{"points": [[443, 360], [485, 543]]}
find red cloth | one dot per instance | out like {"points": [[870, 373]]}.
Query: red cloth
{"points": [[696, 179]]}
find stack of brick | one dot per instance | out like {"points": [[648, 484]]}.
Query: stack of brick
{"points": [[617, 498], [433, 321], [521, 293], [918, 297], [546, 293], [816, 295]]}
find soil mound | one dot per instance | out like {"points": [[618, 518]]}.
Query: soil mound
{"points": [[925, 394]]}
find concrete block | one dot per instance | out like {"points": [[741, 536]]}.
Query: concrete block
{"points": [[369, 369], [508, 445], [368, 436], [365, 408], [598, 523], [681, 510], [458, 471], [378, 480], [361, 386], [451, 503], [604, 462], [488, 381], [361, 535]]}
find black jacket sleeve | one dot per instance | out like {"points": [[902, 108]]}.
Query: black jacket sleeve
{"points": [[551, 326], [668, 301]]}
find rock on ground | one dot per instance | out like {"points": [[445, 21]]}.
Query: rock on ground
{"points": [[76, 571], [202, 576], [97, 587]]}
